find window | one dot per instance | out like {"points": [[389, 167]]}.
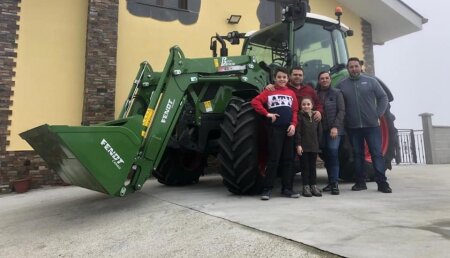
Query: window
{"points": [[183, 4], [166, 4]]}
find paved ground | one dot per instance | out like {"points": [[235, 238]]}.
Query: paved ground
{"points": [[205, 220]]}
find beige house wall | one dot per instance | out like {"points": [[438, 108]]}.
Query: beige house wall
{"points": [[50, 61]]}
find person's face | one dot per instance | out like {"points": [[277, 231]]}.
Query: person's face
{"points": [[354, 68], [307, 105], [325, 80], [296, 77], [281, 79]]}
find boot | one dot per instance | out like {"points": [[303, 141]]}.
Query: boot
{"points": [[316, 191], [384, 187], [327, 188], [334, 189], [290, 193], [307, 191], [265, 195], [359, 186]]}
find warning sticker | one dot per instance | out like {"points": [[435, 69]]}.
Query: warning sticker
{"points": [[231, 68], [208, 106]]}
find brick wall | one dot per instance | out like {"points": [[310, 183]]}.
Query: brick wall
{"points": [[16, 164], [369, 61], [101, 51], [8, 34]]}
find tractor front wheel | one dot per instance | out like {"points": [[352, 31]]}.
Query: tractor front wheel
{"points": [[180, 167]]}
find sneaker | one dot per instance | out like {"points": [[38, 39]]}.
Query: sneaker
{"points": [[290, 193], [307, 191], [316, 191], [384, 187], [359, 187], [327, 188], [334, 188], [266, 194]]}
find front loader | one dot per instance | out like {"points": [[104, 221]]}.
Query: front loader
{"points": [[169, 118], [174, 119]]}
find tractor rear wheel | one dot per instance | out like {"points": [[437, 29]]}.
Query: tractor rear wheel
{"points": [[180, 167], [242, 149], [389, 148]]}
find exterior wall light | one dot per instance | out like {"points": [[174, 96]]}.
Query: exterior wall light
{"points": [[234, 19]]}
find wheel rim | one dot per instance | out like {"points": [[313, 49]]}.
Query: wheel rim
{"points": [[384, 140]]}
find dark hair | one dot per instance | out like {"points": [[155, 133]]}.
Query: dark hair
{"points": [[318, 76], [280, 69], [307, 97], [353, 59], [296, 68], [318, 88]]}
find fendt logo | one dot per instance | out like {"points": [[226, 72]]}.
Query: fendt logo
{"points": [[169, 106], [116, 159]]}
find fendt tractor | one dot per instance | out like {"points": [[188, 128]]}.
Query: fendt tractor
{"points": [[173, 120]]}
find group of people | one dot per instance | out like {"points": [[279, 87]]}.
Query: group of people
{"points": [[303, 122]]}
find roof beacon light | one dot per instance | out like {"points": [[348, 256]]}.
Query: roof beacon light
{"points": [[338, 12]]}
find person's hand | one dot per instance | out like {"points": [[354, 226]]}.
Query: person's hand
{"points": [[317, 116], [270, 87], [299, 150], [333, 133], [273, 117], [291, 130]]}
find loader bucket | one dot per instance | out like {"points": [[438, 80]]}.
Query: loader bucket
{"points": [[95, 157]]}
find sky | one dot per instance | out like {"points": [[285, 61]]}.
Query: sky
{"points": [[416, 68]]}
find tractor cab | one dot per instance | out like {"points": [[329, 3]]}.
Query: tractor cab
{"points": [[317, 44]]}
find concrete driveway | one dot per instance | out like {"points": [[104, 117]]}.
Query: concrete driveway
{"points": [[205, 220]]}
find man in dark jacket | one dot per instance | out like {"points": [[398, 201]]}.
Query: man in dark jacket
{"points": [[365, 104], [302, 90]]}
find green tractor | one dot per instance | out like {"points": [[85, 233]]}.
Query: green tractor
{"points": [[174, 119]]}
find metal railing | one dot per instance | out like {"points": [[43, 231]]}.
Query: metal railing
{"points": [[411, 146]]}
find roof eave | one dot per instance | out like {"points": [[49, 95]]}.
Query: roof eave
{"points": [[390, 19]]}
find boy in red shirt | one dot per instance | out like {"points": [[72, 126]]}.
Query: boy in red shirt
{"points": [[281, 107]]}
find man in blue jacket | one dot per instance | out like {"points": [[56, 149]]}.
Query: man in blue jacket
{"points": [[365, 104]]}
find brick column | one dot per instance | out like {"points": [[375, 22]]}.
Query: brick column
{"points": [[369, 61], [9, 17], [101, 51]]}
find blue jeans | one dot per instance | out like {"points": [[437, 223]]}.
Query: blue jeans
{"points": [[372, 135], [331, 151]]}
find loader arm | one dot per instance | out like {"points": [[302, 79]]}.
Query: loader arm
{"points": [[160, 118]]}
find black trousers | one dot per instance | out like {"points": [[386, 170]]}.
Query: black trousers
{"points": [[308, 163], [281, 157]]}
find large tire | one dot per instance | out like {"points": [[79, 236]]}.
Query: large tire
{"points": [[179, 167], [389, 149], [242, 148]]}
